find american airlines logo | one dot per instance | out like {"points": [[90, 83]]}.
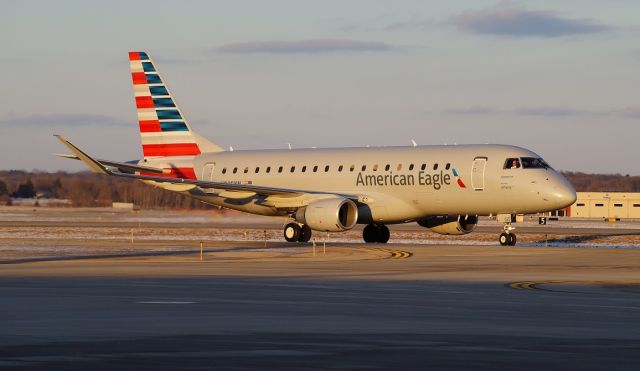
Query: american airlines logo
{"points": [[435, 180]]}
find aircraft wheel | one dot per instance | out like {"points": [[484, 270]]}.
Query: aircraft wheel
{"points": [[504, 239], [512, 239], [370, 233], [292, 232], [305, 233], [382, 235]]}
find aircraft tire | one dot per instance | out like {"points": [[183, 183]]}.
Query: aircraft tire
{"points": [[382, 235], [512, 239], [292, 232], [305, 233], [370, 233], [504, 239]]}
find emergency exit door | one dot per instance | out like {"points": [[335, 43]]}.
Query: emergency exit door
{"points": [[477, 173]]}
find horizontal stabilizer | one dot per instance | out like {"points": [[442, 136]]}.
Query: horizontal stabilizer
{"points": [[93, 164], [122, 166]]}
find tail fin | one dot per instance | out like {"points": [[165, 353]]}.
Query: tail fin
{"points": [[164, 130]]}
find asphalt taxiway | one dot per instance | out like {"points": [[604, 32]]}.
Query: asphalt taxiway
{"points": [[351, 306]]}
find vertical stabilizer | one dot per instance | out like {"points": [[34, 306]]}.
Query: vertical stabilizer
{"points": [[164, 130]]}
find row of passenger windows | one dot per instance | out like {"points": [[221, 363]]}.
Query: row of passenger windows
{"points": [[315, 168]]}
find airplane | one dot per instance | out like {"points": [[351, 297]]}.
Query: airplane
{"points": [[443, 188]]}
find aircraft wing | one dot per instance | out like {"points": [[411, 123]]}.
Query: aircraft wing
{"points": [[100, 166]]}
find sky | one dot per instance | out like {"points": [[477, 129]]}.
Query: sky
{"points": [[561, 78]]}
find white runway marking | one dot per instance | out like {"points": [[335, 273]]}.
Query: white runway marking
{"points": [[166, 302]]}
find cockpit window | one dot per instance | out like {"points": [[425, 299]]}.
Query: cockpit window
{"points": [[512, 163], [534, 163]]}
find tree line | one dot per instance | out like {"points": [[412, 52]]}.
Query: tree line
{"points": [[86, 189]]}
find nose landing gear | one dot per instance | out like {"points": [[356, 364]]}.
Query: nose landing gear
{"points": [[507, 238]]}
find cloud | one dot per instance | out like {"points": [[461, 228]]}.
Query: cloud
{"points": [[58, 120], [629, 112], [542, 111], [412, 24], [551, 111], [511, 19], [472, 111], [312, 46]]}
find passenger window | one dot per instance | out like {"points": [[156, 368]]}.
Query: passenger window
{"points": [[512, 163], [375, 167], [364, 167], [424, 166], [224, 171], [352, 168], [315, 168], [410, 167], [387, 167], [304, 168], [280, 169], [326, 168], [257, 170], [293, 168], [235, 170], [399, 167], [246, 169], [448, 166], [340, 168], [435, 166], [268, 169], [580, 205]]}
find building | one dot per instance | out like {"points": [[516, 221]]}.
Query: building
{"points": [[605, 205]]}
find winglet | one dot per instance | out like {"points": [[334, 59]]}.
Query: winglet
{"points": [[93, 164]]}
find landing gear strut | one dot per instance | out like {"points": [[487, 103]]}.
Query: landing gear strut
{"points": [[375, 233], [294, 232], [507, 238]]}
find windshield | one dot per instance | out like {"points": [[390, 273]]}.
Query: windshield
{"points": [[534, 163]]}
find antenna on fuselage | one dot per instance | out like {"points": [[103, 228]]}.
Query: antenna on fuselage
{"points": [[413, 142], [230, 148], [289, 144]]}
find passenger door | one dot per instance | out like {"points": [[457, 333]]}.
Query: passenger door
{"points": [[477, 173], [207, 171]]}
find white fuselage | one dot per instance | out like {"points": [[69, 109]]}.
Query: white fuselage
{"points": [[391, 184]]}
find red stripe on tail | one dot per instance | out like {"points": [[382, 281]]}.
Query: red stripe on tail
{"points": [[150, 126], [144, 102], [138, 78], [180, 172], [173, 149], [134, 56]]}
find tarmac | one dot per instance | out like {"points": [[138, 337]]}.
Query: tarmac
{"points": [[111, 304]]}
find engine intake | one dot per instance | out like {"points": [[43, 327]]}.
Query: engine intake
{"points": [[334, 214], [453, 225]]}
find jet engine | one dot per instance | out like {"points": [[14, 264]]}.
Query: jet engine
{"points": [[334, 214], [450, 224]]}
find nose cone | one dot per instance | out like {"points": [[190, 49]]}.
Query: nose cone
{"points": [[561, 192]]}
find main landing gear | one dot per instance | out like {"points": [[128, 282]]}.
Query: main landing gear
{"points": [[294, 232], [507, 238], [375, 233]]}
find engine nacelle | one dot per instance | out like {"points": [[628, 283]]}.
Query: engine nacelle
{"points": [[450, 224], [334, 214]]}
